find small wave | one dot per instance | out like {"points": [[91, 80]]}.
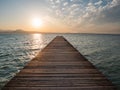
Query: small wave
{"points": [[36, 49], [4, 55]]}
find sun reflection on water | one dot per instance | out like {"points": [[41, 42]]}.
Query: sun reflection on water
{"points": [[37, 41]]}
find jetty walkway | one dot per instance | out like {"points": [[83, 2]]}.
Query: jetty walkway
{"points": [[59, 66]]}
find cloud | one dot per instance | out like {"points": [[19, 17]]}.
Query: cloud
{"points": [[84, 13], [99, 2], [65, 4]]}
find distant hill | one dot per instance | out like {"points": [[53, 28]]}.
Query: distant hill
{"points": [[19, 31], [13, 31], [6, 31]]}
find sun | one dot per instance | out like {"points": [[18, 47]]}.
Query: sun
{"points": [[37, 22]]}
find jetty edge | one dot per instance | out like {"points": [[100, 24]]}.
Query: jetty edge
{"points": [[59, 66]]}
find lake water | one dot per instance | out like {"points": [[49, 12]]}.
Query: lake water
{"points": [[18, 49]]}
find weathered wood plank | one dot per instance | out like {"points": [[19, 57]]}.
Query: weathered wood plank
{"points": [[59, 66], [61, 88]]}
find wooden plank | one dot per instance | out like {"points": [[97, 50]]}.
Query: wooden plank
{"points": [[59, 66], [84, 71], [62, 88]]}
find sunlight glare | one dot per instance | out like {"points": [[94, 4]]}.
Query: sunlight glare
{"points": [[37, 22], [37, 41]]}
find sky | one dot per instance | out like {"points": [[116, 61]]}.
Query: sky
{"points": [[69, 16]]}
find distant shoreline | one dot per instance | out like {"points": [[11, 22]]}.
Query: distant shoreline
{"points": [[32, 32]]}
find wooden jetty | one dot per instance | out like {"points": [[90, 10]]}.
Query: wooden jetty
{"points": [[59, 66]]}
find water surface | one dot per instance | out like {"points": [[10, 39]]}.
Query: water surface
{"points": [[18, 49]]}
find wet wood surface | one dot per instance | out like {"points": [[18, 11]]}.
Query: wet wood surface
{"points": [[59, 66]]}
